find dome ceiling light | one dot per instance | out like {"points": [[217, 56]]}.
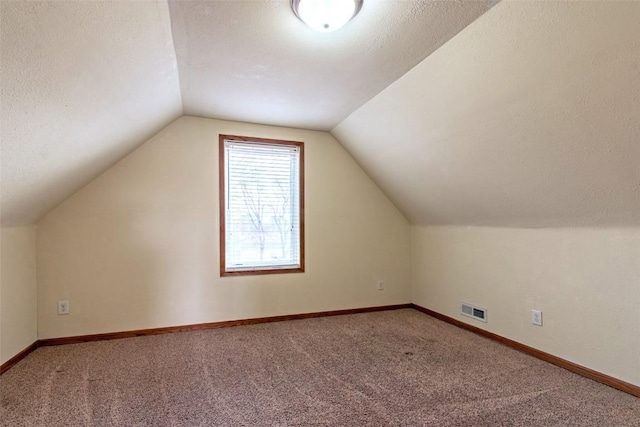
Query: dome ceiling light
{"points": [[326, 15]]}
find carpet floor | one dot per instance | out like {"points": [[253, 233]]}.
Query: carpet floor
{"points": [[391, 368]]}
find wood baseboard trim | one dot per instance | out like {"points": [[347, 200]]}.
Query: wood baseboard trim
{"points": [[570, 366], [212, 325], [184, 328], [18, 357]]}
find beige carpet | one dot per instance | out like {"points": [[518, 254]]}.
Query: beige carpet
{"points": [[394, 368]]}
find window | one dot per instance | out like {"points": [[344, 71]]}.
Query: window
{"points": [[261, 206]]}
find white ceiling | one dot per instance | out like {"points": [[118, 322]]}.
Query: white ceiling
{"points": [[256, 62], [530, 117], [83, 84]]}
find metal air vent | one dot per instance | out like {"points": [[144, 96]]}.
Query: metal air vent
{"points": [[470, 310]]}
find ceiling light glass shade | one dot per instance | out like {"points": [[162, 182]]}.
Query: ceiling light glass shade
{"points": [[326, 15]]}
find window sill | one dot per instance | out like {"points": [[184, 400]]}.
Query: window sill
{"points": [[261, 272]]}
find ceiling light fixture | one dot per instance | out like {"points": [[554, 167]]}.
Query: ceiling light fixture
{"points": [[326, 15]]}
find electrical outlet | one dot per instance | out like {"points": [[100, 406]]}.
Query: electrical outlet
{"points": [[536, 317], [63, 307], [381, 285]]}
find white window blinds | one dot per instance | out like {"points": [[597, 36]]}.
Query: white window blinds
{"points": [[262, 201]]}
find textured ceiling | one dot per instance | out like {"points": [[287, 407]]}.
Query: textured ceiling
{"points": [[528, 117], [83, 83], [256, 62]]}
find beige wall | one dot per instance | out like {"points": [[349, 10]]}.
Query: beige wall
{"points": [[138, 246], [586, 282], [18, 301]]}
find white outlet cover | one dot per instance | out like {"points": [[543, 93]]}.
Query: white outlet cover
{"points": [[63, 307], [536, 317]]}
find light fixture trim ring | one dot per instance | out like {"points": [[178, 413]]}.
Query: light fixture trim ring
{"points": [[296, 3]]}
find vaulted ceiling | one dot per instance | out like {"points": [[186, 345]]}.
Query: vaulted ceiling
{"points": [[84, 83], [255, 62], [530, 117], [523, 116]]}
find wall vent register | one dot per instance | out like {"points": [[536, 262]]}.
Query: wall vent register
{"points": [[474, 312]]}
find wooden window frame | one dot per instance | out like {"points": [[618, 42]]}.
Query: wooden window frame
{"points": [[223, 208]]}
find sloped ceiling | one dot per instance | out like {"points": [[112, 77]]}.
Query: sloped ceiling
{"points": [[256, 62], [529, 117], [84, 83]]}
